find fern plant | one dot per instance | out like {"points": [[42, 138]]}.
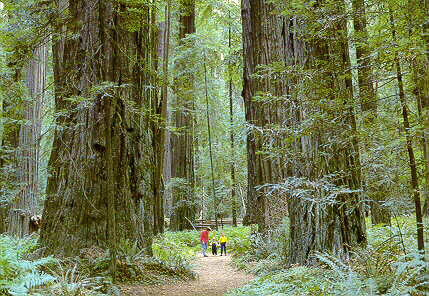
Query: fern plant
{"points": [[18, 276]]}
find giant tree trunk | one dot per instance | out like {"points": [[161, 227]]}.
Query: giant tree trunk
{"points": [[316, 154], [264, 44], [182, 144], [106, 61], [25, 204]]}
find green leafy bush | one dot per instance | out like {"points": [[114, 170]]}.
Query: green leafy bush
{"points": [[263, 254]]}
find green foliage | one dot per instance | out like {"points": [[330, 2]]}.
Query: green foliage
{"points": [[294, 281], [19, 276], [177, 248], [390, 265], [262, 254]]}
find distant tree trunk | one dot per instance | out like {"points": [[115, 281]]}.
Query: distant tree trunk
{"points": [[424, 6], [182, 157], [168, 202], [105, 64], [161, 122], [3, 204], [409, 145], [422, 81], [368, 102], [322, 225], [8, 162], [215, 200], [231, 120], [26, 202], [264, 44]]}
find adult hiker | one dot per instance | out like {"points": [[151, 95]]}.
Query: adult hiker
{"points": [[204, 240], [223, 241]]}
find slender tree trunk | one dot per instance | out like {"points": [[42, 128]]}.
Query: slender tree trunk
{"points": [[231, 119], [368, 97], [26, 202], [412, 160], [84, 164], [182, 157], [423, 83], [161, 123], [215, 201]]}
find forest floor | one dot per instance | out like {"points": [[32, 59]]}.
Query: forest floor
{"points": [[216, 276]]}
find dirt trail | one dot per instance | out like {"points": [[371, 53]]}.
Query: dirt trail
{"points": [[215, 277]]}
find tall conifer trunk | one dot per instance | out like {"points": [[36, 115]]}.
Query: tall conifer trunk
{"points": [[26, 201], [318, 152], [423, 84], [264, 44], [182, 146], [368, 102], [106, 61], [409, 145]]}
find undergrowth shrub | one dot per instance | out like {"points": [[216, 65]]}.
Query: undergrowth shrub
{"points": [[19, 276], [188, 242], [390, 265], [294, 281], [263, 254]]}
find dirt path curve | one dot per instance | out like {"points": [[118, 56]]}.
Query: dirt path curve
{"points": [[215, 277]]}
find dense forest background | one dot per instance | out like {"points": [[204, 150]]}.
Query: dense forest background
{"points": [[122, 120]]}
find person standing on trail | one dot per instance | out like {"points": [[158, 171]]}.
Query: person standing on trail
{"points": [[214, 246], [223, 241], [204, 240]]}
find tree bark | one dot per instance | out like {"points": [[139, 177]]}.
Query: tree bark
{"points": [[423, 84], [182, 154], [232, 136], [105, 64], [264, 44], [160, 124], [26, 202], [368, 101], [409, 145], [319, 83]]}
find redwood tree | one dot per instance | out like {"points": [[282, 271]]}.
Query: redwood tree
{"points": [[331, 219], [182, 168], [307, 79], [368, 102], [25, 204], [264, 44], [100, 79]]}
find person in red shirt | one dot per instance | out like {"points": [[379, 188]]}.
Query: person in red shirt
{"points": [[204, 239]]}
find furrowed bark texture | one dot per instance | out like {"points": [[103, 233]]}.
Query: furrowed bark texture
{"points": [[334, 224], [100, 53], [25, 204], [182, 142], [264, 44], [161, 133], [317, 152]]}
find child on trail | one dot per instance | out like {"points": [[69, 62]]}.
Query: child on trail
{"points": [[214, 246], [204, 240], [223, 241]]}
